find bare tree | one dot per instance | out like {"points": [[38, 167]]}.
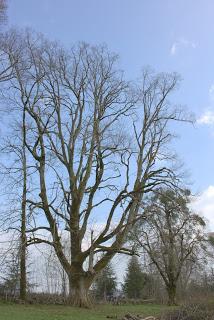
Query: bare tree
{"points": [[3, 11], [9, 42], [99, 145], [16, 174], [171, 235], [14, 166]]}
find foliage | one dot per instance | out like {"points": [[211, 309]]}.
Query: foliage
{"points": [[135, 279], [171, 235], [105, 284]]}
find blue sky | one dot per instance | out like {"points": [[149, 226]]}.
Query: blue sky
{"points": [[167, 35]]}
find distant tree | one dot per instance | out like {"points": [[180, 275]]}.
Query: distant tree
{"points": [[10, 280], [171, 235], [134, 279], [16, 172], [11, 271], [106, 283]]}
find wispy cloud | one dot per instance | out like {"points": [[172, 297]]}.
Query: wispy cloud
{"points": [[207, 117], [182, 43]]}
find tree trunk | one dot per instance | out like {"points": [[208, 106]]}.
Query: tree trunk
{"points": [[171, 290], [79, 291], [23, 280], [23, 277]]}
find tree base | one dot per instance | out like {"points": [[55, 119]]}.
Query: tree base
{"points": [[80, 302]]}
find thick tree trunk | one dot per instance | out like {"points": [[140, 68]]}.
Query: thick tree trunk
{"points": [[79, 291], [171, 290]]}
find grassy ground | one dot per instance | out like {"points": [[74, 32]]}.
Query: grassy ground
{"points": [[53, 312]]}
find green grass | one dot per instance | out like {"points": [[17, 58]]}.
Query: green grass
{"points": [[53, 312]]}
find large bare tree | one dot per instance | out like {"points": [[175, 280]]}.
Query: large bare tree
{"points": [[98, 144]]}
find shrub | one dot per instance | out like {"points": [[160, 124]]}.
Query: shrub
{"points": [[191, 312]]}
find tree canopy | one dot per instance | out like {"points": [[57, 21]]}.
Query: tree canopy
{"points": [[171, 234], [93, 146]]}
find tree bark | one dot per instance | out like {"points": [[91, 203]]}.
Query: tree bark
{"points": [[79, 286], [23, 280], [171, 290], [23, 277]]}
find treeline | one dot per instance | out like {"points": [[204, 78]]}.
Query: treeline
{"points": [[141, 283], [180, 257]]}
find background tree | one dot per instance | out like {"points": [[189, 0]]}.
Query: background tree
{"points": [[135, 279], [14, 167], [55, 276], [106, 283], [3, 11], [171, 235], [75, 103], [10, 280], [7, 65], [16, 172]]}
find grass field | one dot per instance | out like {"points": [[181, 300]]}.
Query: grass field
{"points": [[53, 312]]}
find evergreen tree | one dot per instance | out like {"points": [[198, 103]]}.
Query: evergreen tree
{"points": [[106, 283], [135, 279]]}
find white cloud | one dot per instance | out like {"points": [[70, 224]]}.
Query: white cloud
{"points": [[182, 42], [204, 205], [206, 118]]}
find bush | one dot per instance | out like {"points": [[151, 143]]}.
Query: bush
{"points": [[192, 312]]}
